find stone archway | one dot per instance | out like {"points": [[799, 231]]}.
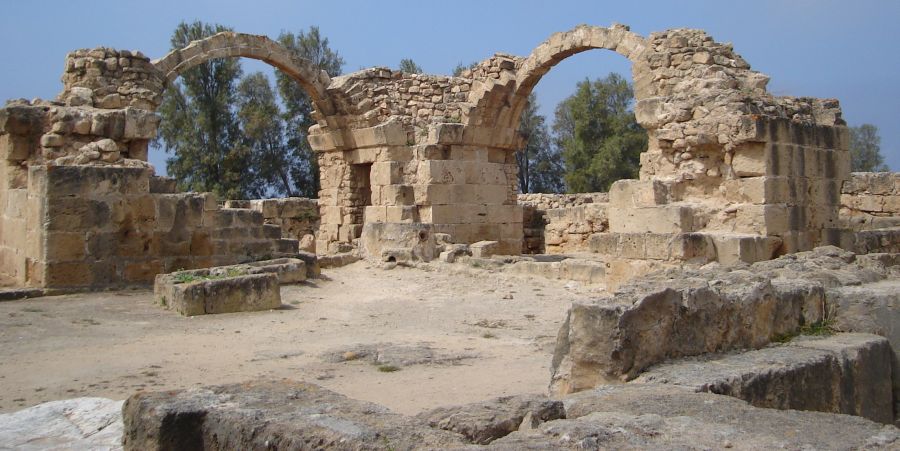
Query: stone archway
{"points": [[505, 112], [565, 44], [230, 44]]}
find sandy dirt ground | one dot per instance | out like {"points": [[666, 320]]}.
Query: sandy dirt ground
{"points": [[406, 338]]}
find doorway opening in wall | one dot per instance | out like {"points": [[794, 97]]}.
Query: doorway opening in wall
{"points": [[361, 196]]}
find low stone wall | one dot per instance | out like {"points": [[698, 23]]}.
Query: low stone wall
{"points": [[297, 216], [561, 223], [871, 200], [546, 201], [104, 226]]}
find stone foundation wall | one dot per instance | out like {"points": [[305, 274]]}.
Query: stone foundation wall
{"points": [[871, 200], [104, 227]]}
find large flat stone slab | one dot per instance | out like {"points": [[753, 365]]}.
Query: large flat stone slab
{"points": [[844, 373], [647, 416], [70, 424], [270, 415]]}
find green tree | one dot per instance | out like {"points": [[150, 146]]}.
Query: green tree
{"points": [[302, 164], [597, 134], [460, 68], [409, 66], [540, 165], [865, 149], [199, 126], [263, 134]]}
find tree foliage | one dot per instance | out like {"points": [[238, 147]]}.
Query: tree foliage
{"points": [[200, 127], [540, 165], [597, 134], [865, 149], [409, 66], [234, 136], [303, 167], [460, 68], [263, 134]]}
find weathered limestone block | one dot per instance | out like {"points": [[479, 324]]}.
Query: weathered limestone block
{"points": [[662, 219], [202, 292], [481, 423], [484, 249], [734, 248], [79, 423], [872, 308], [645, 416], [288, 270], [418, 239], [844, 373], [683, 312], [640, 193], [610, 339], [270, 414]]}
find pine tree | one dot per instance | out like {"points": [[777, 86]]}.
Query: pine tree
{"points": [[409, 66], [199, 126], [302, 164], [597, 134], [865, 149], [540, 165]]}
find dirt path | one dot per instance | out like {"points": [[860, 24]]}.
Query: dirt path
{"points": [[408, 338]]}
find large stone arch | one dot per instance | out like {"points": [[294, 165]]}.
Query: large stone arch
{"points": [[560, 46], [230, 44]]}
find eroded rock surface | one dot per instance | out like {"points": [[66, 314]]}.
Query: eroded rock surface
{"points": [[844, 373], [645, 416], [71, 424], [684, 312], [487, 421], [270, 415]]}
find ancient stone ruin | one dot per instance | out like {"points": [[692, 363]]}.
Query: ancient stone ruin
{"points": [[422, 167], [732, 173]]}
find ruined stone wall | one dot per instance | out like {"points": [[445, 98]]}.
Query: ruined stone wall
{"points": [[79, 206], [562, 223], [546, 201], [871, 200], [297, 216], [105, 226], [111, 79]]}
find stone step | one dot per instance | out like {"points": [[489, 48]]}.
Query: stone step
{"points": [[843, 373], [671, 218], [695, 247]]}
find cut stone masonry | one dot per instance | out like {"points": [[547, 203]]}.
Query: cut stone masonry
{"points": [[731, 172]]}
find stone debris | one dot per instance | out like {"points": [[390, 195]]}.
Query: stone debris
{"points": [[481, 423], [396, 355]]}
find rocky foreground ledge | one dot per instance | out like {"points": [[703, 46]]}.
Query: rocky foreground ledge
{"points": [[287, 415], [690, 312]]}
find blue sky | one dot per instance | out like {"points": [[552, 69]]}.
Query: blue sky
{"points": [[837, 49]]}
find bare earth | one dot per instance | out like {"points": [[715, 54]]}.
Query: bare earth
{"points": [[460, 335]]}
